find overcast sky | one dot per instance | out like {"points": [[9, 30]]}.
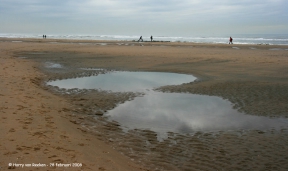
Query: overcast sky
{"points": [[141, 17]]}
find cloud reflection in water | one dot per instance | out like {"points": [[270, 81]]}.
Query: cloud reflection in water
{"points": [[186, 113]]}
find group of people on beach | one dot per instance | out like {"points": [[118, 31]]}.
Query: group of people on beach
{"points": [[151, 37]]}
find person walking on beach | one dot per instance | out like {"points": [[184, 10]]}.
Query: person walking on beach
{"points": [[151, 38], [140, 39], [43, 36], [230, 40]]}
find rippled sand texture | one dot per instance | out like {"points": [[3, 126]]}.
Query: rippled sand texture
{"points": [[252, 77]]}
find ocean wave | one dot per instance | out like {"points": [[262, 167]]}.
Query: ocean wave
{"points": [[242, 39]]}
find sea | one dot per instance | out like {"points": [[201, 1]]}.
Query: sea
{"points": [[265, 39]]}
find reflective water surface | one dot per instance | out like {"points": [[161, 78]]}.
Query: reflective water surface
{"points": [[52, 65], [169, 112], [124, 81], [187, 113]]}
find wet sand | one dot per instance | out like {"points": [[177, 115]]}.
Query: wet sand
{"points": [[47, 125]]}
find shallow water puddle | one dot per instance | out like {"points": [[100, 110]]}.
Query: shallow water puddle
{"points": [[125, 81], [52, 65], [275, 49], [187, 113], [169, 112], [235, 48]]}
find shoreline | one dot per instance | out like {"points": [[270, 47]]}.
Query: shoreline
{"points": [[254, 80], [132, 41]]}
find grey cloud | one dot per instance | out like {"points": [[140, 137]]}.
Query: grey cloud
{"points": [[177, 15]]}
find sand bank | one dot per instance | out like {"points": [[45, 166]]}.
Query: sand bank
{"points": [[43, 125]]}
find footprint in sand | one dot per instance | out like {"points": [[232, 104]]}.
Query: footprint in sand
{"points": [[27, 122], [20, 107], [52, 156], [39, 134], [9, 153], [64, 136], [12, 130], [50, 126], [101, 168], [48, 118], [59, 161], [46, 151], [28, 97]]}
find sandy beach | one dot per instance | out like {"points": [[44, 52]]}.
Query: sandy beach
{"points": [[44, 126]]}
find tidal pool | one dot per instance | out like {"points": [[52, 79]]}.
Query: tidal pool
{"points": [[187, 113], [169, 112], [125, 81]]}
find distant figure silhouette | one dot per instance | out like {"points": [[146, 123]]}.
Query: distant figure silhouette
{"points": [[151, 38], [43, 36], [230, 40], [140, 39]]}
